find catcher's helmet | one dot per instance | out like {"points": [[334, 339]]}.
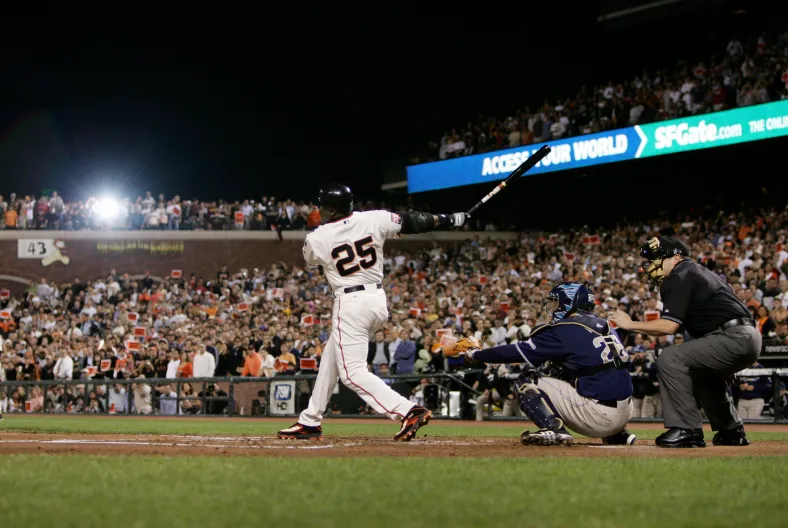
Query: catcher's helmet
{"points": [[337, 197], [655, 251], [568, 298]]}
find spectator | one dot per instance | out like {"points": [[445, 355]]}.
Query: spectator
{"points": [[190, 403], [204, 364], [11, 217], [168, 401], [186, 368], [753, 392], [253, 364], [117, 399], [286, 362], [142, 397], [64, 368], [173, 365], [36, 400], [405, 354], [498, 333], [378, 352], [765, 323], [495, 387], [778, 314], [268, 364]]}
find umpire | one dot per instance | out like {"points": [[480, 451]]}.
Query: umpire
{"points": [[724, 341]]}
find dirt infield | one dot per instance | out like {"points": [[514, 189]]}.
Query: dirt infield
{"points": [[424, 446]]}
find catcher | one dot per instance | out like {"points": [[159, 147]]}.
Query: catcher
{"points": [[589, 389]]}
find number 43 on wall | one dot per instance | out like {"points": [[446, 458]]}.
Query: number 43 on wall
{"points": [[47, 250]]}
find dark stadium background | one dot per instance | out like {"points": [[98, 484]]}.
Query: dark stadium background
{"points": [[233, 117]]}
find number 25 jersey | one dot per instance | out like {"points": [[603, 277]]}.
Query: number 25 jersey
{"points": [[350, 249]]}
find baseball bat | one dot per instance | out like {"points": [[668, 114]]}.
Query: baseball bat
{"points": [[519, 171]]}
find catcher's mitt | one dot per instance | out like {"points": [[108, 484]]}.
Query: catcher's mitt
{"points": [[463, 346]]}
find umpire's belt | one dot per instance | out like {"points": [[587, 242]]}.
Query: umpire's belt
{"points": [[360, 287], [738, 322]]}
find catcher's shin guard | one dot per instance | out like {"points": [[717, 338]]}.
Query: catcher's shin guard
{"points": [[532, 403]]}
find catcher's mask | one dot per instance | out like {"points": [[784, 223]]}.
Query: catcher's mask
{"points": [[568, 298], [655, 251]]}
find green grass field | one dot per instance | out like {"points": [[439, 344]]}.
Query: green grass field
{"points": [[229, 426], [118, 491]]}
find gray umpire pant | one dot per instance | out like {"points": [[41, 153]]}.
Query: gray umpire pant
{"points": [[694, 373]]}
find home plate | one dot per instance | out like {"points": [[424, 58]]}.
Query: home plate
{"points": [[595, 446]]}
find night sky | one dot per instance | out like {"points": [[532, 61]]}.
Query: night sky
{"points": [[212, 117]]}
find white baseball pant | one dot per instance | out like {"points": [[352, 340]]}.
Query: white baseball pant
{"points": [[750, 409], [355, 318], [583, 415]]}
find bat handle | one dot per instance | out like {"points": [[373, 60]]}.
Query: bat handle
{"points": [[472, 209]]}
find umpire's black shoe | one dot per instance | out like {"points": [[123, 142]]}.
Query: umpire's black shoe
{"points": [[732, 437], [678, 437]]}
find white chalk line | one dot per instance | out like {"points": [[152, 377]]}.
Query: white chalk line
{"points": [[67, 441], [232, 443], [235, 439]]}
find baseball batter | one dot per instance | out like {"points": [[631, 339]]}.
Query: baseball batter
{"points": [[588, 391], [349, 247]]}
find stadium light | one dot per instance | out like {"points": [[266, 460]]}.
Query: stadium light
{"points": [[106, 208]]}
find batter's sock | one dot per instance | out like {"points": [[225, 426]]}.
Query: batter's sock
{"points": [[499, 354]]}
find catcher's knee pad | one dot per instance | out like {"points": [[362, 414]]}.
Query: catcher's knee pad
{"points": [[532, 403]]}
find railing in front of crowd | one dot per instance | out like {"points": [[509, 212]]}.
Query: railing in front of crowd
{"points": [[449, 395], [280, 395]]}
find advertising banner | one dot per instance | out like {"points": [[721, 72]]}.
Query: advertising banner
{"points": [[718, 129]]}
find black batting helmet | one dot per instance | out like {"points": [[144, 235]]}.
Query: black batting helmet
{"points": [[337, 197]]}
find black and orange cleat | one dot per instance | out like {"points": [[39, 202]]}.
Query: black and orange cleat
{"points": [[417, 418], [299, 431]]}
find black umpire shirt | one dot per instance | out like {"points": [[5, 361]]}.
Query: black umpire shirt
{"points": [[698, 299]]}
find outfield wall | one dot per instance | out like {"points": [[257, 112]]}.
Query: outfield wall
{"points": [[28, 256]]}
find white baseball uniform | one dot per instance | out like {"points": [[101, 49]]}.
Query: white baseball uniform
{"points": [[350, 250]]}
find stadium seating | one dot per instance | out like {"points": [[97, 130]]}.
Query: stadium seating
{"points": [[744, 73], [492, 289]]}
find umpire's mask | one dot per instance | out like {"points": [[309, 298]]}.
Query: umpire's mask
{"points": [[655, 251]]}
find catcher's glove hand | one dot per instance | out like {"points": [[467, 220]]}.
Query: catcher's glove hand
{"points": [[463, 346]]}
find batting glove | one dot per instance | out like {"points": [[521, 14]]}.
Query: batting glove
{"points": [[453, 219]]}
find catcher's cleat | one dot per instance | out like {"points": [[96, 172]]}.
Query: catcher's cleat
{"points": [[463, 346], [298, 431], [546, 437], [623, 437], [417, 418]]}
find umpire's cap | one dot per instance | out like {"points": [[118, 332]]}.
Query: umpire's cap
{"points": [[337, 197], [663, 247]]}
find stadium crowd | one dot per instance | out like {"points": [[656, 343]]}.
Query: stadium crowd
{"points": [[743, 74], [158, 212], [264, 321]]}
